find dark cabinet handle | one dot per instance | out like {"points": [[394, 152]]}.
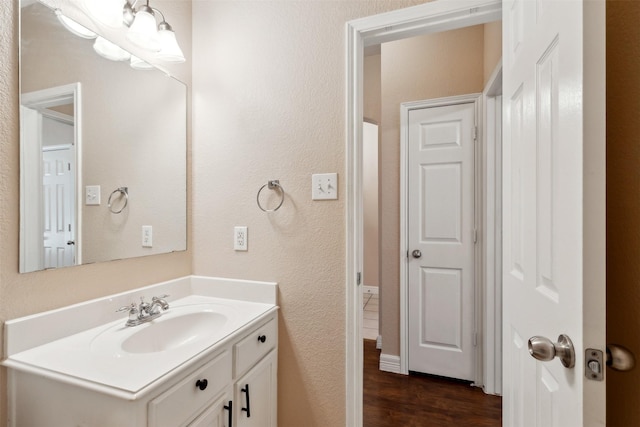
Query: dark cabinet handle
{"points": [[248, 408], [202, 384], [230, 409], [262, 338]]}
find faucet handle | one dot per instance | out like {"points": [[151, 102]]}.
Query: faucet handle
{"points": [[160, 297], [131, 307]]}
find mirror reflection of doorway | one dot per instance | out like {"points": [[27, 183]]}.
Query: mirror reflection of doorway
{"points": [[48, 156]]}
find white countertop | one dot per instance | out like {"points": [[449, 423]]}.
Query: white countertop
{"points": [[95, 359]]}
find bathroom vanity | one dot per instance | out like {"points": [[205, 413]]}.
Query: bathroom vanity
{"points": [[209, 359]]}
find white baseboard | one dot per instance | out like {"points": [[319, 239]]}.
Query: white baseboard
{"points": [[370, 289], [390, 363]]}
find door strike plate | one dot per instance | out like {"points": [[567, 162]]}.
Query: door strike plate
{"points": [[593, 364]]}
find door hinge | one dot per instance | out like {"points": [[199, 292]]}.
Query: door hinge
{"points": [[475, 235], [358, 278], [475, 133], [475, 339]]}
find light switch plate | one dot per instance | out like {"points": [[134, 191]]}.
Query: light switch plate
{"points": [[324, 186], [92, 195]]}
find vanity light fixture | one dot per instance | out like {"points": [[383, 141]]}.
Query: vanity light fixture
{"points": [[74, 27], [108, 50], [170, 51], [138, 64], [143, 31], [106, 12], [140, 25]]}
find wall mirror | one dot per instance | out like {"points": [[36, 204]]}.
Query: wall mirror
{"points": [[102, 151]]}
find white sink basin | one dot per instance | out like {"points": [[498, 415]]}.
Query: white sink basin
{"points": [[188, 326], [164, 334]]}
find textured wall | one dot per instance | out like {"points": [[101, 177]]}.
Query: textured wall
{"points": [[22, 294], [269, 99], [623, 205]]}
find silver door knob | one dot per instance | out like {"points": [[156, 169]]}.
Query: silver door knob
{"points": [[544, 349], [620, 358], [416, 253]]}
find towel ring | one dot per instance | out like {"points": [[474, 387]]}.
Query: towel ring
{"points": [[272, 185], [121, 191]]}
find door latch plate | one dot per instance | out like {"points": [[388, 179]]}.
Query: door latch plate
{"points": [[593, 364]]}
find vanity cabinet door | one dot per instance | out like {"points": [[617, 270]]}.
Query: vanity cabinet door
{"points": [[218, 414], [255, 395]]}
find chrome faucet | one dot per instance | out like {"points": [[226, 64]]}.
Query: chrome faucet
{"points": [[145, 312]]}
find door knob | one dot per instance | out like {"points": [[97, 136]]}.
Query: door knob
{"points": [[416, 253], [71, 242], [544, 349], [620, 358]]}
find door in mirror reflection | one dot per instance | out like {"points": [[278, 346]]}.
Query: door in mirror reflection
{"points": [[49, 201]]}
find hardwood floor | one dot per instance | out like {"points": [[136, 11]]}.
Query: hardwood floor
{"points": [[393, 400]]}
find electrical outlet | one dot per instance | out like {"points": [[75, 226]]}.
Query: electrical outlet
{"points": [[147, 236], [240, 238], [324, 186], [92, 195]]}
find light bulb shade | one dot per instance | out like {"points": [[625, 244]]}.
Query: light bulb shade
{"points": [[106, 12], [143, 32], [74, 27], [139, 64], [170, 51], [108, 50]]}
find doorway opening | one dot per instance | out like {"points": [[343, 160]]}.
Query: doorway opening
{"points": [[419, 20], [50, 178]]}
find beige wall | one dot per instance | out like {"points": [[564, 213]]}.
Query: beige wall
{"points": [[492, 46], [269, 91], [623, 205], [431, 66], [371, 100], [370, 163], [23, 294]]}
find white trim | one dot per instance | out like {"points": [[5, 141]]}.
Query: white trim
{"points": [[429, 17], [379, 342], [390, 363], [491, 236]]}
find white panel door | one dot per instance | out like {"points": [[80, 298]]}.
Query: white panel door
{"points": [[58, 185], [441, 227], [551, 208]]}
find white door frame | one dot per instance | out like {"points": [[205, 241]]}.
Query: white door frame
{"points": [[491, 232], [41, 100], [426, 18], [405, 109]]}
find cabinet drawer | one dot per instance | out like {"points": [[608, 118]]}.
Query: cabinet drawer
{"points": [[255, 345], [182, 402]]}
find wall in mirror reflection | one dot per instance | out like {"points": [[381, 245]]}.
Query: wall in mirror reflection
{"points": [[132, 134]]}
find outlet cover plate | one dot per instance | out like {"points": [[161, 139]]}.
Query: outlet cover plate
{"points": [[324, 186], [240, 238]]}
